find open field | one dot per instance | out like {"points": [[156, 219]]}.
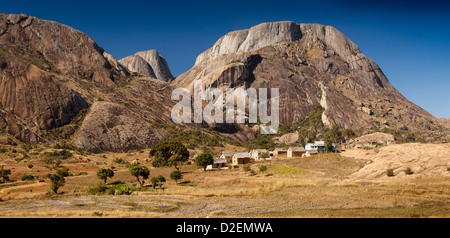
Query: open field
{"points": [[322, 186]]}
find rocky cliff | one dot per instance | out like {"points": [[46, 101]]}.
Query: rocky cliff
{"points": [[310, 64], [50, 74], [148, 63]]}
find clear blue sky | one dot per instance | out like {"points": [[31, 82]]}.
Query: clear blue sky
{"points": [[410, 40]]}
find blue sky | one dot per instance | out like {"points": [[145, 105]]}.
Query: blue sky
{"points": [[409, 40]]}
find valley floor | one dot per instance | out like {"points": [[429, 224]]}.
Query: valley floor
{"points": [[320, 186]]}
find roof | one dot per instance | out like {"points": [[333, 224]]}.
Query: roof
{"points": [[280, 149], [297, 149], [227, 153], [260, 150], [319, 143], [242, 155], [220, 161]]}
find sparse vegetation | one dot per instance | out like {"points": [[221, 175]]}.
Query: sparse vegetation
{"points": [[4, 174], [27, 177]]}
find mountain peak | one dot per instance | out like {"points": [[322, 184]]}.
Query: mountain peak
{"points": [[148, 63]]}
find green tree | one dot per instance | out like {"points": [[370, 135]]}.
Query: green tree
{"points": [[203, 160], [104, 174], [161, 180], [154, 181], [4, 174], [57, 181], [329, 145], [176, 175], [140, 171], [168, 153], [63, 172]]}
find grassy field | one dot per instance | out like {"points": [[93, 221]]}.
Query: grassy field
{"points": [[300, 187]]}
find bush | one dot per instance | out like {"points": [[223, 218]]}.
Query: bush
{"points": [[30, 166], [246, 168], [408, 171], [390, 173], [176, 175], [26, 177], [262, 168]]}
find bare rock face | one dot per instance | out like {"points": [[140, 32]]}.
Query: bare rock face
{"points": [[259, 36], [57, 48], [136, 63], [43, 64], [112, 127], [311, 64], [148, 63]]}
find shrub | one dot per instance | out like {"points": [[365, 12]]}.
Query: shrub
{"points": [[246, 168], [390, 172], [176, 175], [262, 168], [408, 171], [30, 166], [26, 177]]}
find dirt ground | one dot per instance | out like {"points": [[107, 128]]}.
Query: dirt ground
{"points": [[327, 185]]}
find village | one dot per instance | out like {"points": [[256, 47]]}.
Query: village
{"points": [[233, 159], [230, 159]]}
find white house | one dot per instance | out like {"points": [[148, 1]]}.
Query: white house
{"points": [[227, 155], [259, 154]]}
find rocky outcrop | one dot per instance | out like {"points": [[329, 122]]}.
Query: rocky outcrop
{"points": [[148, 63], [310, 64], [259, 36], [136, 63], [112, 127]]}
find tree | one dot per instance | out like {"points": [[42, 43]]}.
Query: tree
{"points": [[328, 145], [203, 160], [140, 171], [63, 172], [154, 181], [176, 175], [161, 180], [4, 174], [57, 181], [104, 174], [168, 153]]}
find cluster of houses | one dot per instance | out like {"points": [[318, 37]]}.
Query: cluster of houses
{"points": [[240, 158]]}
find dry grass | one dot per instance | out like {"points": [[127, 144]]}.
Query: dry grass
{"points": [[300, 187]]}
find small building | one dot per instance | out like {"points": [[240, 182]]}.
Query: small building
{"points": [[295, 152], [309, 153], [259, 154], [279, 152], [218, 164], [320, 147], [227, 155], [241, 158]]}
